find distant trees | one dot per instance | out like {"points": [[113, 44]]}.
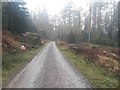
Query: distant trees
{"points": [[119, 23], [69, 24], [105, 23], [41, 21], [15, 17], [98, 24]]}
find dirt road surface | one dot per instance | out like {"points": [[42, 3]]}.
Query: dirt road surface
{"points": [[48, 69]]}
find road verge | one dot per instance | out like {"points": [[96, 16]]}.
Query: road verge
{"points": [[98, 77], [15, 63]]}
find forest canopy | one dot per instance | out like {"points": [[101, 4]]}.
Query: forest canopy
{"points": [[16, 17], [97, 24]]}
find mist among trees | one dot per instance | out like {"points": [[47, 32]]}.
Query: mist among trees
{"points": [[96, 24]]}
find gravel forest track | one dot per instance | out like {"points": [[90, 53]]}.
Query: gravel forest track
{"points": [[48, 69]]}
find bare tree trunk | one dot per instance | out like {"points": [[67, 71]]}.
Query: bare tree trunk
{"points": [[89, 34]]}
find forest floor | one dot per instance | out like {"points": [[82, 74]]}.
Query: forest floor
{"points": [[98, 63], [13, 59]]}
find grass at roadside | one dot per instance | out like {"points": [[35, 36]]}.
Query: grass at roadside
{"points": [[13, 63], [0, 77], [98, 77]]}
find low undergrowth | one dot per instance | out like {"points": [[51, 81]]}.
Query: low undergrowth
{"points": [[99, 77], [13, 63]]}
